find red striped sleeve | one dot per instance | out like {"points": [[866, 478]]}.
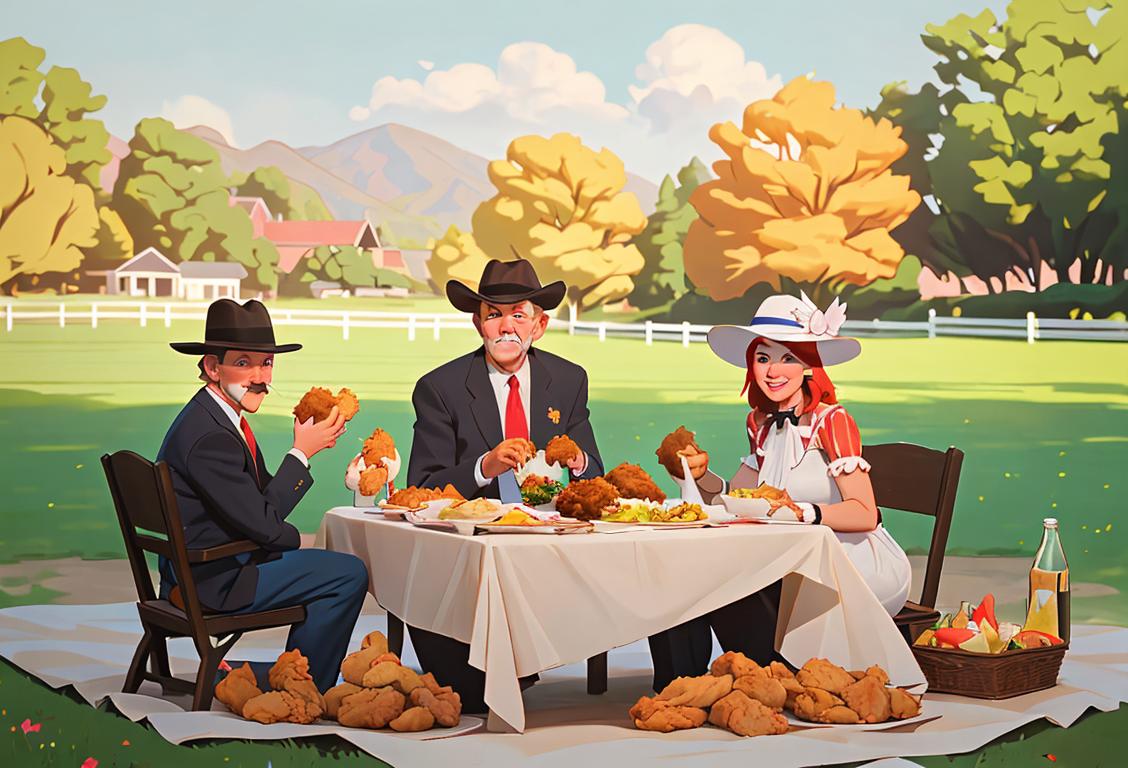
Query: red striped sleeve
{"points": [[839, 435]]}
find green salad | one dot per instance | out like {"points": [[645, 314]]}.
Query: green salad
{"points": [[541, 493]]}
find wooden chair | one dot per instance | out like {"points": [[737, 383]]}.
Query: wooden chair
{"points": [[150, 522], [913, 478]]}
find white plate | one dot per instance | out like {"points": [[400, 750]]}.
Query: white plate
{"points": [[551, 528], [924, 715], [758, 509]]}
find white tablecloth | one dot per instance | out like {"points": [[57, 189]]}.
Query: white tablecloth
{"points": [[527, 603]]}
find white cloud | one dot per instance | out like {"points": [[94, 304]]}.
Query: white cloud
{"points": [[427, 65], [690, 78], [189, 111]]}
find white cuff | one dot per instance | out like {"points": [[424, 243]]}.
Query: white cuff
{"points": [[751, 462], [299, 456], [808, 511], [479, 478], [846, 465], [583, 468]]}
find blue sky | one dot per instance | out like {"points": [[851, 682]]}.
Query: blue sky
{"points": [[628, 75]]}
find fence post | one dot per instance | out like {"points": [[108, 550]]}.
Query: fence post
{"points": [[345, 325], [168, 315], [8, 316], [649, 332], [435, 332], [571, 319], [603, 330], [1031, 327], [411, 327], [931, 323], [144, 315], [685, 333], [62, 315], [93, 315]]}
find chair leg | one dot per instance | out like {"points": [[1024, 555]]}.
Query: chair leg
{"points": [[395, 634], [160, 655], [205, 680], [140, 661], [597, 674]]}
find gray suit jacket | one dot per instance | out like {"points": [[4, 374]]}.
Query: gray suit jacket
{"points": [[457, 420]]}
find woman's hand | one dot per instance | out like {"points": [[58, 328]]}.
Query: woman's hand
{"points": [[697, 460]]}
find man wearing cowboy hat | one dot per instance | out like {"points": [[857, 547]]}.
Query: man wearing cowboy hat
{"points": [[225, 493], [474, 414]]}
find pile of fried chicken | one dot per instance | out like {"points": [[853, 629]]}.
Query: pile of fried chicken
{"points": [[413, 497], [587, 499], [318, 402], [378, 692], [741, 696], [378, 446]]}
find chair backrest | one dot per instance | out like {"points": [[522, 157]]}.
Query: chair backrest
{"points": [[146, 508], [913, 478]]}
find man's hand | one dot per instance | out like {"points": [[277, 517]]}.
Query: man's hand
{"points": [[698, 461], [508, 454], [310, 437], [577, 463]]}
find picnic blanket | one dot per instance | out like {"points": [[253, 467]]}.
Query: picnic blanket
{"points": [[89, 647]]}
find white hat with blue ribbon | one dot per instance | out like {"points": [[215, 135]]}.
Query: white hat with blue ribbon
{"points": [[785, 319]]}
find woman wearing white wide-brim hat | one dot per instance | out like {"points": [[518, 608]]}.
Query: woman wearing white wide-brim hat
{"points": [[801, 439]]}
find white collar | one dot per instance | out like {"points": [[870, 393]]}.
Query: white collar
{"points": [[500, 378], [235, 418]]}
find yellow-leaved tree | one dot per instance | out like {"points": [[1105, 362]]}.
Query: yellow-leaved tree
{"points": [[45, 216], [806, 194], [561, 205]]}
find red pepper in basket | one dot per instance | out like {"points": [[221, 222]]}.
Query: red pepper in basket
{"points": [[953, 636], [986, 610]]}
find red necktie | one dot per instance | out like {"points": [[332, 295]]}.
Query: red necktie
{"points": [[515, 424], [247, 433]]}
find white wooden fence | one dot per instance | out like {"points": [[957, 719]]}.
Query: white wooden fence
{"points": [[415, 323]]}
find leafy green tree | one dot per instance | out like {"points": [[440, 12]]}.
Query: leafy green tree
{"points": [[172, 194], [20, 77], [46, 218], [662, 278], [293, 201], [348, 265]]}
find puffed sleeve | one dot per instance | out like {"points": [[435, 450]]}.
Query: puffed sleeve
{"points": [[752, 460], [840, 438]]}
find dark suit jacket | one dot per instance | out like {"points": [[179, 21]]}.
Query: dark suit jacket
{"points": [[222, 500], [457, 419]]}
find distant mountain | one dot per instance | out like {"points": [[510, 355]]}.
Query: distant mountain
{"points": [[411, 183]]}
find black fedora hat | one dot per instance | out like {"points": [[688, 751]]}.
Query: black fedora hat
{"points": [[231, 325], [506, 282]]}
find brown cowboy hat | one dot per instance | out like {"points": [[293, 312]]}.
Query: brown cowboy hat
{"points": [[231, 325], [506, 282]]}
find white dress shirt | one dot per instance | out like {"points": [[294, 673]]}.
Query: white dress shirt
{"points": [[236, 419]]}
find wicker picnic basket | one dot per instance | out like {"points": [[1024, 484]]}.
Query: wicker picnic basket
{"points": [[990, 676]]}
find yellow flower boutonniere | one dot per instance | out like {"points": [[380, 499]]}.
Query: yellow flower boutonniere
{"points": [[554, 415]]}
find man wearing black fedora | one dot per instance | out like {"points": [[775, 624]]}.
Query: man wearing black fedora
{"points": [[226, 493], [473, 414]]}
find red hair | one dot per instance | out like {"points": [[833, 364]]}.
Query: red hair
{"points": [[818, 385]]}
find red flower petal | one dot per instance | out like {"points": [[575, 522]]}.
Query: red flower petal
{"points": [[29, 727], [1051, 758], [89, 763]]}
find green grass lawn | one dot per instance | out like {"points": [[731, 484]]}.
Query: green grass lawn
{"points": [[1045, 426]]}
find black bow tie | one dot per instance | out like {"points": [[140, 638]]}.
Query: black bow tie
{"points": [[779, 418]]}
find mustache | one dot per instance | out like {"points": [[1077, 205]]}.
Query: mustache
{"points": [[508, 337], [258, 389]]}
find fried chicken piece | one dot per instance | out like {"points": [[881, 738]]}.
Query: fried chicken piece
{"points": [[820, 673], [384, 673], [356, 664], [736, 664], [766, 690], [372, 480], [378, 446], [388, 656], [746, 717], [793, 689], [869, 698], [430, 683], [280, 707], [371, 708], [444, 703], [667, 452], [658, 715], [902, 704], [780, 671], [839, 715], [874, 671], [237, 688], [413, 719], [291, 674], [696, 691], [318, 402], [633, 482], [560, 450], [585, 499], [813, 702], [533, 481], [337, 694]]}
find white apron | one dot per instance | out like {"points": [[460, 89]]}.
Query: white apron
{"points": [[880, 560]]}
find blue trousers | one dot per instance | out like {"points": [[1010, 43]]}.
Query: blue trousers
{"points": [[331, 586]]}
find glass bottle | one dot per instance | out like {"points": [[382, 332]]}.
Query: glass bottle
{"points": [[1048, 602]]}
